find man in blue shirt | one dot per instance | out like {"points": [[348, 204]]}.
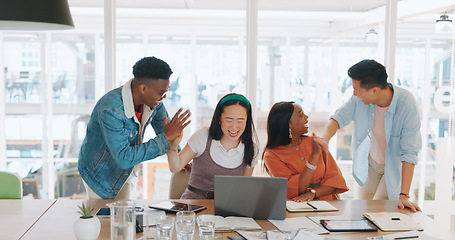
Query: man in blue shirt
{"points": [[386, 134], [113, 142]]}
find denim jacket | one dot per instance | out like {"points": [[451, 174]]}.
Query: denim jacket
{"points": [[402, 130], [112, 148]]}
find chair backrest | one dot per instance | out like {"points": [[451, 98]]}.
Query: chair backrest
{"points": [[179, 182], [10, 186]]}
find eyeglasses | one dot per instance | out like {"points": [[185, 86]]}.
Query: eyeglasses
{"points": [[161, 92]]}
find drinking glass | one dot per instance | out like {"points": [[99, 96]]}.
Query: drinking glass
{"points": [[185, 225], [123, 220], [164, 227], [206, 225]]}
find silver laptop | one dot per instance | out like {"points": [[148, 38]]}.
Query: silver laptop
{"points": [[256, 197]]}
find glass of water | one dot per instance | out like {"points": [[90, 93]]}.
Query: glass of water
{"points": [[206, 226], [123, 220], [164, 227], [185, 225]]}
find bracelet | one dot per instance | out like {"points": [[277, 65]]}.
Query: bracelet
{"points": [[312, 191], [405, 194], [175, 150], [310, 166]]}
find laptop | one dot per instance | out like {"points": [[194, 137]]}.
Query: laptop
{"points": [[256, 197]]}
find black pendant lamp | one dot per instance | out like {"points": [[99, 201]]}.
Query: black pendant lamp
{"points": [[35, 15]]}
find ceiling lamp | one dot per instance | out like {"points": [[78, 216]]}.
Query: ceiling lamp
{"points": [[443, 24], [371, 36], [35, 15]]}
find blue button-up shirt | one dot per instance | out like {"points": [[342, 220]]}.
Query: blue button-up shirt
{"points": [[402, 129], [112, 145]]}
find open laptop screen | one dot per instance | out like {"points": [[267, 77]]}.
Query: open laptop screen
{"points": [[256, 197]]}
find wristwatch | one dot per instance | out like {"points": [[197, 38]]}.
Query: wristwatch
{"points": [[312, 191]]}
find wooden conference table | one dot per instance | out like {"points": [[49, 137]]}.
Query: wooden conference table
{"points": [[53, 219]]}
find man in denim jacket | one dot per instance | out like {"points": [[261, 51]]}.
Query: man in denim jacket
{"points": [[386, 134], [113, 142]]}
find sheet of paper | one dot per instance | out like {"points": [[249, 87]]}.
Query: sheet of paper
{"points": [[334, 217], [296, 235], [253, 235], [303, 234], [294, 224], [416, 234], [242, 223]]}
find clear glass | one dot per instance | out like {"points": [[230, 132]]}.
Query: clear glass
{"points": [[187, 216], [123, 220], [206, 227], [185, 225], [164, 227]]}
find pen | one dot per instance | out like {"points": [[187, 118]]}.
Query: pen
{"points": [[406, 237], [309, 204]]}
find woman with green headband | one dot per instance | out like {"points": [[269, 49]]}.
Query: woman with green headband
{"points": [[227, 147]]}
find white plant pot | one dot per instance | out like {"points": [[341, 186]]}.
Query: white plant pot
{"points": [[87, 228]]}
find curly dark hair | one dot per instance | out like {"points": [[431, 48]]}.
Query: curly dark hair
{"points": [[151, 67], [370, 74]]}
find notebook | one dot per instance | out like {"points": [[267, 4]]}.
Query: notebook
{"points": [[223, 224], [313, 206], [392, 221], [256, 197]]}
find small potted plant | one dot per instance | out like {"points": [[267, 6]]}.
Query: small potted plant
{"points": [[86, 227]]}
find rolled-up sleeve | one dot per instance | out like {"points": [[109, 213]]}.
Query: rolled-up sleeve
{"points": [[345, 114], [277, 168], [411, 140]]}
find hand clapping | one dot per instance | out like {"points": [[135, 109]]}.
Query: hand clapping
{"points": [[174, 128]]}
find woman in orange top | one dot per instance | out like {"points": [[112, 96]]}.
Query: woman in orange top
{"points": [[305, 161]]}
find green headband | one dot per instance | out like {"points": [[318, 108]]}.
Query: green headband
{"points": [[235, 97]]}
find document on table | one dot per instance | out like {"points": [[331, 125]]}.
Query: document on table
{"points": [[262, 235], [411, 235], [294, 224]]}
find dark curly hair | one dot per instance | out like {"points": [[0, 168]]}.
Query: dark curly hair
{"points": [[151, 67]]}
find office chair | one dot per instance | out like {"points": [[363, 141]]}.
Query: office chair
{"points": [[10, 185], [178, 184]]}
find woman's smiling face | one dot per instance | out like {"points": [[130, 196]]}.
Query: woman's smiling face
{"points": [[233, 122]]}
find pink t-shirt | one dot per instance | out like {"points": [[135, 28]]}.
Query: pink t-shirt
{"points": [[378, 141]]}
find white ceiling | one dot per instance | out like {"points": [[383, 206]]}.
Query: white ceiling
{"points": [[275, 5], [300, 17]]}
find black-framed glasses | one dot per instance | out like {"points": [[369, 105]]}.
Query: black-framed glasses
{"points": [[161, 92]]}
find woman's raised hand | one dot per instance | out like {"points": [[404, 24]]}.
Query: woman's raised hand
{"points": [[320, 142]]}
